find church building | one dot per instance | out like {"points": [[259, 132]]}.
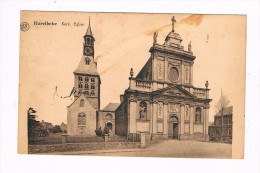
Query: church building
{"points": [[161, 99], [82, 114]]}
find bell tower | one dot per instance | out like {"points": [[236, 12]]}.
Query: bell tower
{"points": [[88, 48], [86, 78]]}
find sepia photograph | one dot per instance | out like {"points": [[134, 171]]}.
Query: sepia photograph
{"points": [[132, 84]]}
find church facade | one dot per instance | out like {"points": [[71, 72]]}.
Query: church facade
{"points": [[161, 100]]}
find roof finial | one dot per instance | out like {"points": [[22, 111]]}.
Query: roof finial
{"points": [[189, 46], [155, 34], [173, 21], [88, 20]]}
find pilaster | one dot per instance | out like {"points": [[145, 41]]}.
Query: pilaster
{"points": [[165, 118], [203, 120], [155, 111], [132, 116], [182, 73], [155, 70], [191, 73], [151, 118], [206, 120], [165, 69], [192, 115], [182, 119]]}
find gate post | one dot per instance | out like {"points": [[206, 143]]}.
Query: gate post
{"points": [[64, 139], [142, 139], [106, 137]]}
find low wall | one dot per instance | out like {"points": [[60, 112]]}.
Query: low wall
{"points": [[81, 147], [194, 137]]}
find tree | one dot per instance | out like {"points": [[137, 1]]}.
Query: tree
{"points": [[222, 104], [33, 124], [34, 127], [57, 129]]}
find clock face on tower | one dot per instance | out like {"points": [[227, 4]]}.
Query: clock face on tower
{"points": [[88, 50]]}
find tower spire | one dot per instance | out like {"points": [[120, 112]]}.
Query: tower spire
{"points": [[89, 32]]}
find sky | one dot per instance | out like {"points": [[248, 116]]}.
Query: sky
{"points": [[50, 54]]}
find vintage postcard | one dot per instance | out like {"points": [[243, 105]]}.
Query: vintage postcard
{"points": [[132, 84]]}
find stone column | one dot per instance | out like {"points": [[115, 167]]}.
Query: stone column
{"points": [[132, 117], [165, 119], [155, 110], [182, 119], [192, 114]]}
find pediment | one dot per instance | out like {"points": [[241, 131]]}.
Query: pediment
{"points": [[175, 91]]}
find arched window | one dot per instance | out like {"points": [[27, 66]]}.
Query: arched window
{"points": [[142, 110], [198, 115], [81, 119], [80, 85], [87, 60], [92, 80], [86, 86], [92, 93], [81, 103], [79, 92], [86, 93], [92, 86], [80, 78], [86, 79], [109, 115]]}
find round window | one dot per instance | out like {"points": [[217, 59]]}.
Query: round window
{"points": [[173, 74]]}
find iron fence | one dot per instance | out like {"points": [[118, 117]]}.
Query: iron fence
{"points": [[134, 137]]}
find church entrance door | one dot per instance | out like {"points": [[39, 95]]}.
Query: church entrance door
{"points": [[109, 126], [175, 130], [173, 127]]}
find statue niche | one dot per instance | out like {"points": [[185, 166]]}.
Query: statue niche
{"points": [[198, 115], [142, 110]]}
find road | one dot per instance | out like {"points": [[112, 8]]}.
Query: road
{"points": [[169, 148]]}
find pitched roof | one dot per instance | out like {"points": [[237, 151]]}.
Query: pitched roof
{"points": [[111, 107], [227, 111], [81, 97], [89, 32], [83, 68]]}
